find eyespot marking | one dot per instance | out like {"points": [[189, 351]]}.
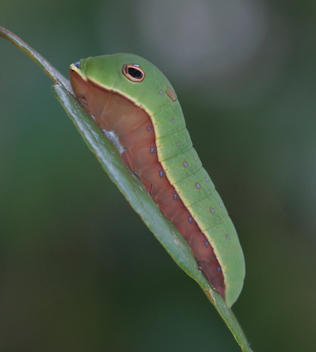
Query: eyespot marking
{"points": [[160, 92], [212, 210], [220, 204], [197, 185], [152, 149], [206, 243], [172, 120], [227, 236], [171, 94], [178, 143], [161, 173], [190, 220], [187, 139], [149, 128], [195, 158], [218, 269], [235, 232], [175, 196], [185, 164], [206, 179], [133, 72]]}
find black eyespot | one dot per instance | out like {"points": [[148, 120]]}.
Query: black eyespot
{"points": [[133, 72]]}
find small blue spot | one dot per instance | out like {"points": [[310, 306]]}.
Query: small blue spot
{"points": [[218, 268], [235, 232], [148, 128], [160, 173], [77, 64], [212, 210], [206, 179], [178, 143], [185, 164], [187, 139], [152, 149], [190, 220], [220, 204], [197, 185], [227, 237], [195, 158], [172, 120], [206, 244], [175, 196], [160, 92]]}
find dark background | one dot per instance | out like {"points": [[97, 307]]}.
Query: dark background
{"points": [[79, 271]]}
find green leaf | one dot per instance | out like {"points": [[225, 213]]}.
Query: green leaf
{"points": [[130, 186]]}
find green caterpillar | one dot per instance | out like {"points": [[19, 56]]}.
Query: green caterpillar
{"points": [[129, 96]]}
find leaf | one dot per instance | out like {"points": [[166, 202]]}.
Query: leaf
{"points": [[130, 186]]}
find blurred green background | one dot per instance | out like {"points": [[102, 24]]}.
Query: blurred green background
{"points": [[79, 271]]}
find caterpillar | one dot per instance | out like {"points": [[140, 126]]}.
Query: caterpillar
{"points": [[130, 97]]}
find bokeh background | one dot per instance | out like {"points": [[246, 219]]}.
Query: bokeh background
{"points": [[79, 271]]}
